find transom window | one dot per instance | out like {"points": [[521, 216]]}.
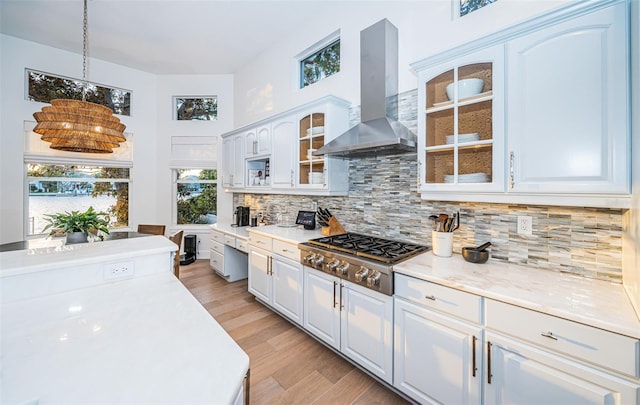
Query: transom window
{"points": [[55, 188], [195, 108], [320, 64], [44, 87], [196, 199]]}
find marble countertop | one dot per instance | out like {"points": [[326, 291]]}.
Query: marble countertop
{"points": [[237, 231], [56, 255], [142, 340], [71, 333], [291, 235], [592, 302]]}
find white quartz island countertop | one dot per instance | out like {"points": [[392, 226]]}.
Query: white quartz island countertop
{"points": [[596, 303], [141, 338]]}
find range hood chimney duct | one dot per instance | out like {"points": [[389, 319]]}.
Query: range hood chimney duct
{"points": [[379, 132]]}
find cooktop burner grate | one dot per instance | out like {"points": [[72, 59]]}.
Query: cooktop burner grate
{"points": [[371, 247]]}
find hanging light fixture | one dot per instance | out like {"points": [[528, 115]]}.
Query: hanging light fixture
{"points": [[80, 126]]}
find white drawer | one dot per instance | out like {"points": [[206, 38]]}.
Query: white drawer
{"points": [[230, 241], [263, 242], [216, 261], [242, 245], [288, 250], [217, 236], [430, 295], [217, 246], [607, 349]]}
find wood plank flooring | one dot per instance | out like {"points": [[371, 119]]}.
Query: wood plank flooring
{"points": [[287, 365]]}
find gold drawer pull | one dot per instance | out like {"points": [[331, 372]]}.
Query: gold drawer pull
{"points": [[430, 297]]}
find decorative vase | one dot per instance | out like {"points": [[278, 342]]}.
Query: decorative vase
{"points": [[76, 237]]}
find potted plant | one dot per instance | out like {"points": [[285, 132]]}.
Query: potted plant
{"points": [[77, 225]]}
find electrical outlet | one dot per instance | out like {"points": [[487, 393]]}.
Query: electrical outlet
{"points": [[314, 206], [117, 270], [525, 225]]}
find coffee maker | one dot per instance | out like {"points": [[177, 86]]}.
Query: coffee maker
{"points": [[241, 216]]}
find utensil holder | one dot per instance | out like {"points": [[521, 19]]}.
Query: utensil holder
{"points": [[442, 243]]}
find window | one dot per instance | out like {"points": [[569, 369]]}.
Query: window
{"points": [[196, 196], [44, 87], [55, 188], [468, 6], [320, 64], [195, 109]]}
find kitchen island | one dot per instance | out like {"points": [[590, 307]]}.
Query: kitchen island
{"points": [[109, 323]]}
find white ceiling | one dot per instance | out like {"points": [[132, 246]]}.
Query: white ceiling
{"points": [[164, 36]]}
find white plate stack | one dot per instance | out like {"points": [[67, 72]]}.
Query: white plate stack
{"points": [[468, 178], [316, 178]]}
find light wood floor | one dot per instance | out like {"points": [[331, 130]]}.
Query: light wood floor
{"points": [[287, 365]]}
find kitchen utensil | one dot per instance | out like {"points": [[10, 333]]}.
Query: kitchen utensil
{"points": [[442, 243], [476, 254]]}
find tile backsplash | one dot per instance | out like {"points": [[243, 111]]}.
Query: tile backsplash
{"points": [[383, 201]]}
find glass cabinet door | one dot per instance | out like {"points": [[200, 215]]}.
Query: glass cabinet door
{"points": [[459, 125], [311, 138]]}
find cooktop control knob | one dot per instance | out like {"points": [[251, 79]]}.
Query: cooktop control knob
{"points": [[362, 273], [374, 279], [332, 265], [308, 259], [317, 262], [343, 269]]}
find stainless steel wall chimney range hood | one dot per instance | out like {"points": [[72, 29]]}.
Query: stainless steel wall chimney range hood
{"points": [[379, 132]]}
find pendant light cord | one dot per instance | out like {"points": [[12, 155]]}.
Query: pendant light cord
{"points": [[85, 23]]}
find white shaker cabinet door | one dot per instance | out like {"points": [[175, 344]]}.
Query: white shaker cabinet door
{"points": [[366, 329], [568, 107]]}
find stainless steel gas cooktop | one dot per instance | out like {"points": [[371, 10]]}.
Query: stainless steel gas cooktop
{"points": [[362, 259]]}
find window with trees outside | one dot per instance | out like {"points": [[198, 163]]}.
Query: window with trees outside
{"points": [[44, 87], [56, 188], [320, 64], [196, 196], [195, 108]]}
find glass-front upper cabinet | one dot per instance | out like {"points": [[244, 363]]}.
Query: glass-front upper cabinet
{"points": [[461, 128], [311, 135]]}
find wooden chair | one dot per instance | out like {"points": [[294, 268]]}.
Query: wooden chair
{"points": [[152, 229], [177, 239]]}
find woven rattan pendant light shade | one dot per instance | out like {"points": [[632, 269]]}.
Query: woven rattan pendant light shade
{"points": [[80, 126]]}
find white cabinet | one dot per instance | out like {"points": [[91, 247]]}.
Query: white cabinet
{"points": [[258, 141], [233, 161], [532, 357], [227, 261], [353, 319], [523, 374], [462, 144], [280, 145], [551, 124], [274, 278], [568, 112], [438, 357], [282, 165]]}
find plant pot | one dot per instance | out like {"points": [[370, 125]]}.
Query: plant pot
{"points": [[76, 237]]}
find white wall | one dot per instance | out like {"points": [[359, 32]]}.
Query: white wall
{"points": [[268, 84], [16, 55]]}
